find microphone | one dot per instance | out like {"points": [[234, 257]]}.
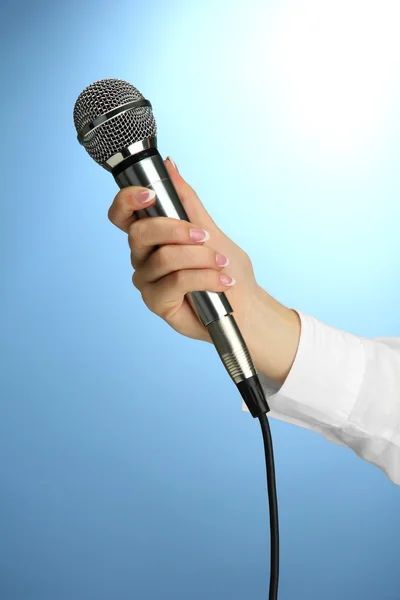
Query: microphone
{"points": [[116, 126]]}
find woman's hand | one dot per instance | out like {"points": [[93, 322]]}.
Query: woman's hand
{"points": [[189, 260]]}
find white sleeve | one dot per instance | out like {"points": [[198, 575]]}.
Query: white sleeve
{"points": [[345, 387]]}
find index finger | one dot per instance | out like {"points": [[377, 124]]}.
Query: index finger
{"points": [[128, 200]]}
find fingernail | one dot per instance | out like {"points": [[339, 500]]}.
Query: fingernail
{"points": [[199, 235], [145, 196], [221, 260], [226, 280], [172, 163]]}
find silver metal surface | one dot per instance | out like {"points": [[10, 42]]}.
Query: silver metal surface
{"points": [[151, 172], [145, 144], [117, 132], [232, 348], [109, 115]]}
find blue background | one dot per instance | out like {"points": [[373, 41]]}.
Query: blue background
{"points": [[119, 480]]}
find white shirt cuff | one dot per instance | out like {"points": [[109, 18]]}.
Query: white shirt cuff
{"points": [[324, 382]]}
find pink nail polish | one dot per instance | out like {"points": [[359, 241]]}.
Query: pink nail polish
{"points": [[221, 260], [145, 196], [199, 235], [226, 280], [173, 163]]}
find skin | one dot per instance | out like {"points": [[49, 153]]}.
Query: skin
{"points": [[167, 264]]}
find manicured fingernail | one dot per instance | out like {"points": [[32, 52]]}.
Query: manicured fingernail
{"points": [[172, 163], [199, 235], [221, 260], [145, 196], [226, 280]]}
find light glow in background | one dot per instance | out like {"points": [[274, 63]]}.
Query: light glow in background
{"points": [[128, 469]]}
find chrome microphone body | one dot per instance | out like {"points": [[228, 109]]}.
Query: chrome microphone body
{"points": [[212, 308], [116, 125]]}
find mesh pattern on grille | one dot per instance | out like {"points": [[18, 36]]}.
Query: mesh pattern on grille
{"points": [[120, 131]]}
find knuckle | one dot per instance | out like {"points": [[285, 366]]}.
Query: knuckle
{"points": [[178, 279], [180, 231], [116, 203], [209, 255], [137, 234], [206, 257], [132, 233], [164, 256], [125, 195], [214, 279], [112, 213], [135, 279]]}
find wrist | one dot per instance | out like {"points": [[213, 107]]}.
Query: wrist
{"points": [[273, 336]]}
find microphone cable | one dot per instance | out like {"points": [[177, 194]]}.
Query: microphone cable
{"points": [[273, 507], [253, 394], [116, 126]]}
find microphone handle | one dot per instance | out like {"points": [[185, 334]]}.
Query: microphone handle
{"points": [[152, 173], [147, 169]]}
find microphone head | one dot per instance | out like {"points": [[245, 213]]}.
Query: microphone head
{"points": [[116, 132]]}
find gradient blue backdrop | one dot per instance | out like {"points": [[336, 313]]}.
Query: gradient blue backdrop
{"points": [[119, 480]]}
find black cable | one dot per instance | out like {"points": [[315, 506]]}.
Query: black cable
{"points": [[253, 394], [273, 507]]}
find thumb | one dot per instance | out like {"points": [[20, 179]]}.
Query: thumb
{"points": [[190, 200]]}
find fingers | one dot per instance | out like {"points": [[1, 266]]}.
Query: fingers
{"points": [[165, 297], [144, 234], [126, 202], [195, 209], [170, 258]]}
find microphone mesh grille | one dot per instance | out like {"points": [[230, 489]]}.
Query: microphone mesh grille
{"points": [[118, 132]]}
